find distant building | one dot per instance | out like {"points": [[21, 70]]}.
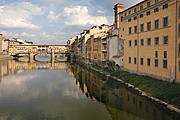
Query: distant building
{"points": [[14, 42], [100, 30], [96, 47], [79, 44], [5, 45]]}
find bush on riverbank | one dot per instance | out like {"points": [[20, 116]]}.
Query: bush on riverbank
{"points": [[166, 91]]}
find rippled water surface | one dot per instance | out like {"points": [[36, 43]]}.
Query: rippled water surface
{"points": [[42, 91], [41, 94]]}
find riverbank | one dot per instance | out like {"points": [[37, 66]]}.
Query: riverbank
{"points": [[4, 57], [161, 92]]}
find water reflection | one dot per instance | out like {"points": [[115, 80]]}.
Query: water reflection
{"points": [[122, 103], [58, 91], [35, 94]]}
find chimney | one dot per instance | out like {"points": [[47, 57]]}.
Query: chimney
{"points": [[117, 9]]}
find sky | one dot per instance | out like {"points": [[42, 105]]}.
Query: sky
{"points": [[54, 21]]}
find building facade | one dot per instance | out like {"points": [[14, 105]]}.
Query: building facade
{"points": [[151, 31], [115, 47], [5, 46], [1, 39], [100, 30]]}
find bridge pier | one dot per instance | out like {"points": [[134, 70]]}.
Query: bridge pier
{"points": [[52, 57], [31, 57]]}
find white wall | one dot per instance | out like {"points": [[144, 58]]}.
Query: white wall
{"points": [[114, 48]]}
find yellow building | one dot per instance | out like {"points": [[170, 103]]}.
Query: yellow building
{"points": [[96, 47], [151, 30]]}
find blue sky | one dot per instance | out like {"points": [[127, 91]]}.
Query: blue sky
{"points": [[54, 21]]}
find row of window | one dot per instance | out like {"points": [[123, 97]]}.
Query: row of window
{"points": [[156, 62], [149, 41], [21, 48], [156, 25], [141, 7], [165, 6]]}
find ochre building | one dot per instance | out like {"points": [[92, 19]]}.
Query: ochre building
{"points": [[151, 33]]}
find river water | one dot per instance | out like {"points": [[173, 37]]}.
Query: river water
{"points": [[60, 91]]}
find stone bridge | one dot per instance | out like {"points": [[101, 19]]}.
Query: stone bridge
{"points": [[32, 50]]}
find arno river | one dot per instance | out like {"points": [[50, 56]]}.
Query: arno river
{"points": [[60, 91]]}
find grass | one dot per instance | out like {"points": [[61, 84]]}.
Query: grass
{"points": [[96, 67], [163, 90]]}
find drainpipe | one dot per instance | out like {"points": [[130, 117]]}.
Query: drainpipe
{"points": [[138, 45]]}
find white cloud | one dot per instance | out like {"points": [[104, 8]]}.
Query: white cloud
{"points": [[47, 36], [17, 35], [18, 15], [52, 17], [27, 6], [79, 15], [59, 33], [18, 80], [24, 34]]}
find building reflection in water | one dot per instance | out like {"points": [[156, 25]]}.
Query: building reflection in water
{"points": [[121, 102], [13, 66], [3, 69]]}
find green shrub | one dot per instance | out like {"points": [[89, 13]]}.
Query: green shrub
{"points": [[166, 91]]}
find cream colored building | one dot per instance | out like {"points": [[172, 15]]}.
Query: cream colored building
{"points": [[115, 47], [5, 45], [151, 31], [114, 42], [100, 30]]}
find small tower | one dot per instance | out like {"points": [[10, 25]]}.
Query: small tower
{"points": [[117, 9], [1, 39]]}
